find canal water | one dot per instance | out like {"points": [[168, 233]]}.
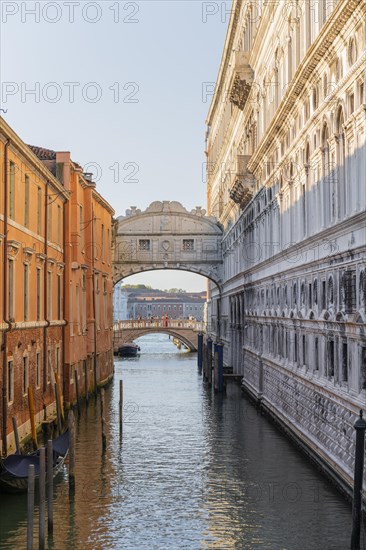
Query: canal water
{"points": [[190, 471]]}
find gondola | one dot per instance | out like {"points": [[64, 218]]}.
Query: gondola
{"points": [[14, 468]]}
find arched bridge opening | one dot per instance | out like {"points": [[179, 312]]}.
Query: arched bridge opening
{"points": [[184, 330]]}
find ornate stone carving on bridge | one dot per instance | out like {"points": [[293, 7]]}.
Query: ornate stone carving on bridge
{"points": [[167, 236]]}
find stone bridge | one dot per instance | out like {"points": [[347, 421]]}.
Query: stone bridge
{"points": [[167, 236], [184, 330]]}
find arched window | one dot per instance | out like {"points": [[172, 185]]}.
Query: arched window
{"points": [[325, 85], [362, 289], [338, 69], [352, 52], [330, 291], [341, 159], [326, 173], [315, 98]]}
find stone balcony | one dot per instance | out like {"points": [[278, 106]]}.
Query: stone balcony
{"points": [[241, 80], [242, 187]]}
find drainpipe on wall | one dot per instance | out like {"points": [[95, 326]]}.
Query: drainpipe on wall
{"points": [[45, 292], [94, 309], [5, 296], [64, 302]]}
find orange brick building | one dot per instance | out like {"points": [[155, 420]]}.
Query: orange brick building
{"points": [[55, 282]]}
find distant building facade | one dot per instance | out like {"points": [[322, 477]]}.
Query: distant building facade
{"points": [[145, 303], [286, 154], [120, 301], [56, 281]]}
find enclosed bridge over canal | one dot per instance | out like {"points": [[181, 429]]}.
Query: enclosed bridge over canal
{"points": [[166, 236]]}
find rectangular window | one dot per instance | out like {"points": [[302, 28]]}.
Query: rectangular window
{"points": [[38, 291], [105, 302], [144, 244], [78, 307], [102, 242], [26, 292], [49, 219], [25, 375], [10, 381], [49, 366], [351, 103], [11, 283], [12, 191], [97, 305], [304, 350], [361, 92], [81, 222], [58, 224], [39, 210], [295, 348], [310, 296], [49, 295], [108, 246], [71, 311], [38, 369], [324, 296], [330, 358], [316, 352], [26, 201], [188, 245], [83, 310], [345, 362], [363, 368], [59, 296]]}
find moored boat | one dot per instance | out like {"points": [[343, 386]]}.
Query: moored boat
{"points": [[14, 468], [128, 350]]}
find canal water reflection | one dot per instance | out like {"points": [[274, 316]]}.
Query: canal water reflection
{"points": [[190, 471]]}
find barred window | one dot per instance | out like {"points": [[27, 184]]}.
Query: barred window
{"points": [[144, 244], [188, 245]]}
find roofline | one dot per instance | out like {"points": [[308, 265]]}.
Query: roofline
{"points": [[32, 157], [230, 34], [98, 197]]}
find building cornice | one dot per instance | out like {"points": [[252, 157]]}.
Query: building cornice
{"points": [[341, 13], [230, 37], [100, 200]]}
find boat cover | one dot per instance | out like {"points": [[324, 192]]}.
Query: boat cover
{"points": [[61, 444]]}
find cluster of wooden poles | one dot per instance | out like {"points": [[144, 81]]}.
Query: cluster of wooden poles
{"points": [[45, 479], [210, 359]]}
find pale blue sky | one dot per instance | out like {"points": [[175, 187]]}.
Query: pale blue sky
{"points": [[158, 65]]}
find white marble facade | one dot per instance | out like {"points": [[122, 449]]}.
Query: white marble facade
{"points": [[286, 165]]}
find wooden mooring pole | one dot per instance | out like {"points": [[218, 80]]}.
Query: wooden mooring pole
{"points": [[360, 427], [32, 418], [30, 507], [71, 425], [77, 389], [50, 487], [42, 496], [200, 350], [58, 410], [57, 378], [102, 405], [120, 403], [16, 435]]}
